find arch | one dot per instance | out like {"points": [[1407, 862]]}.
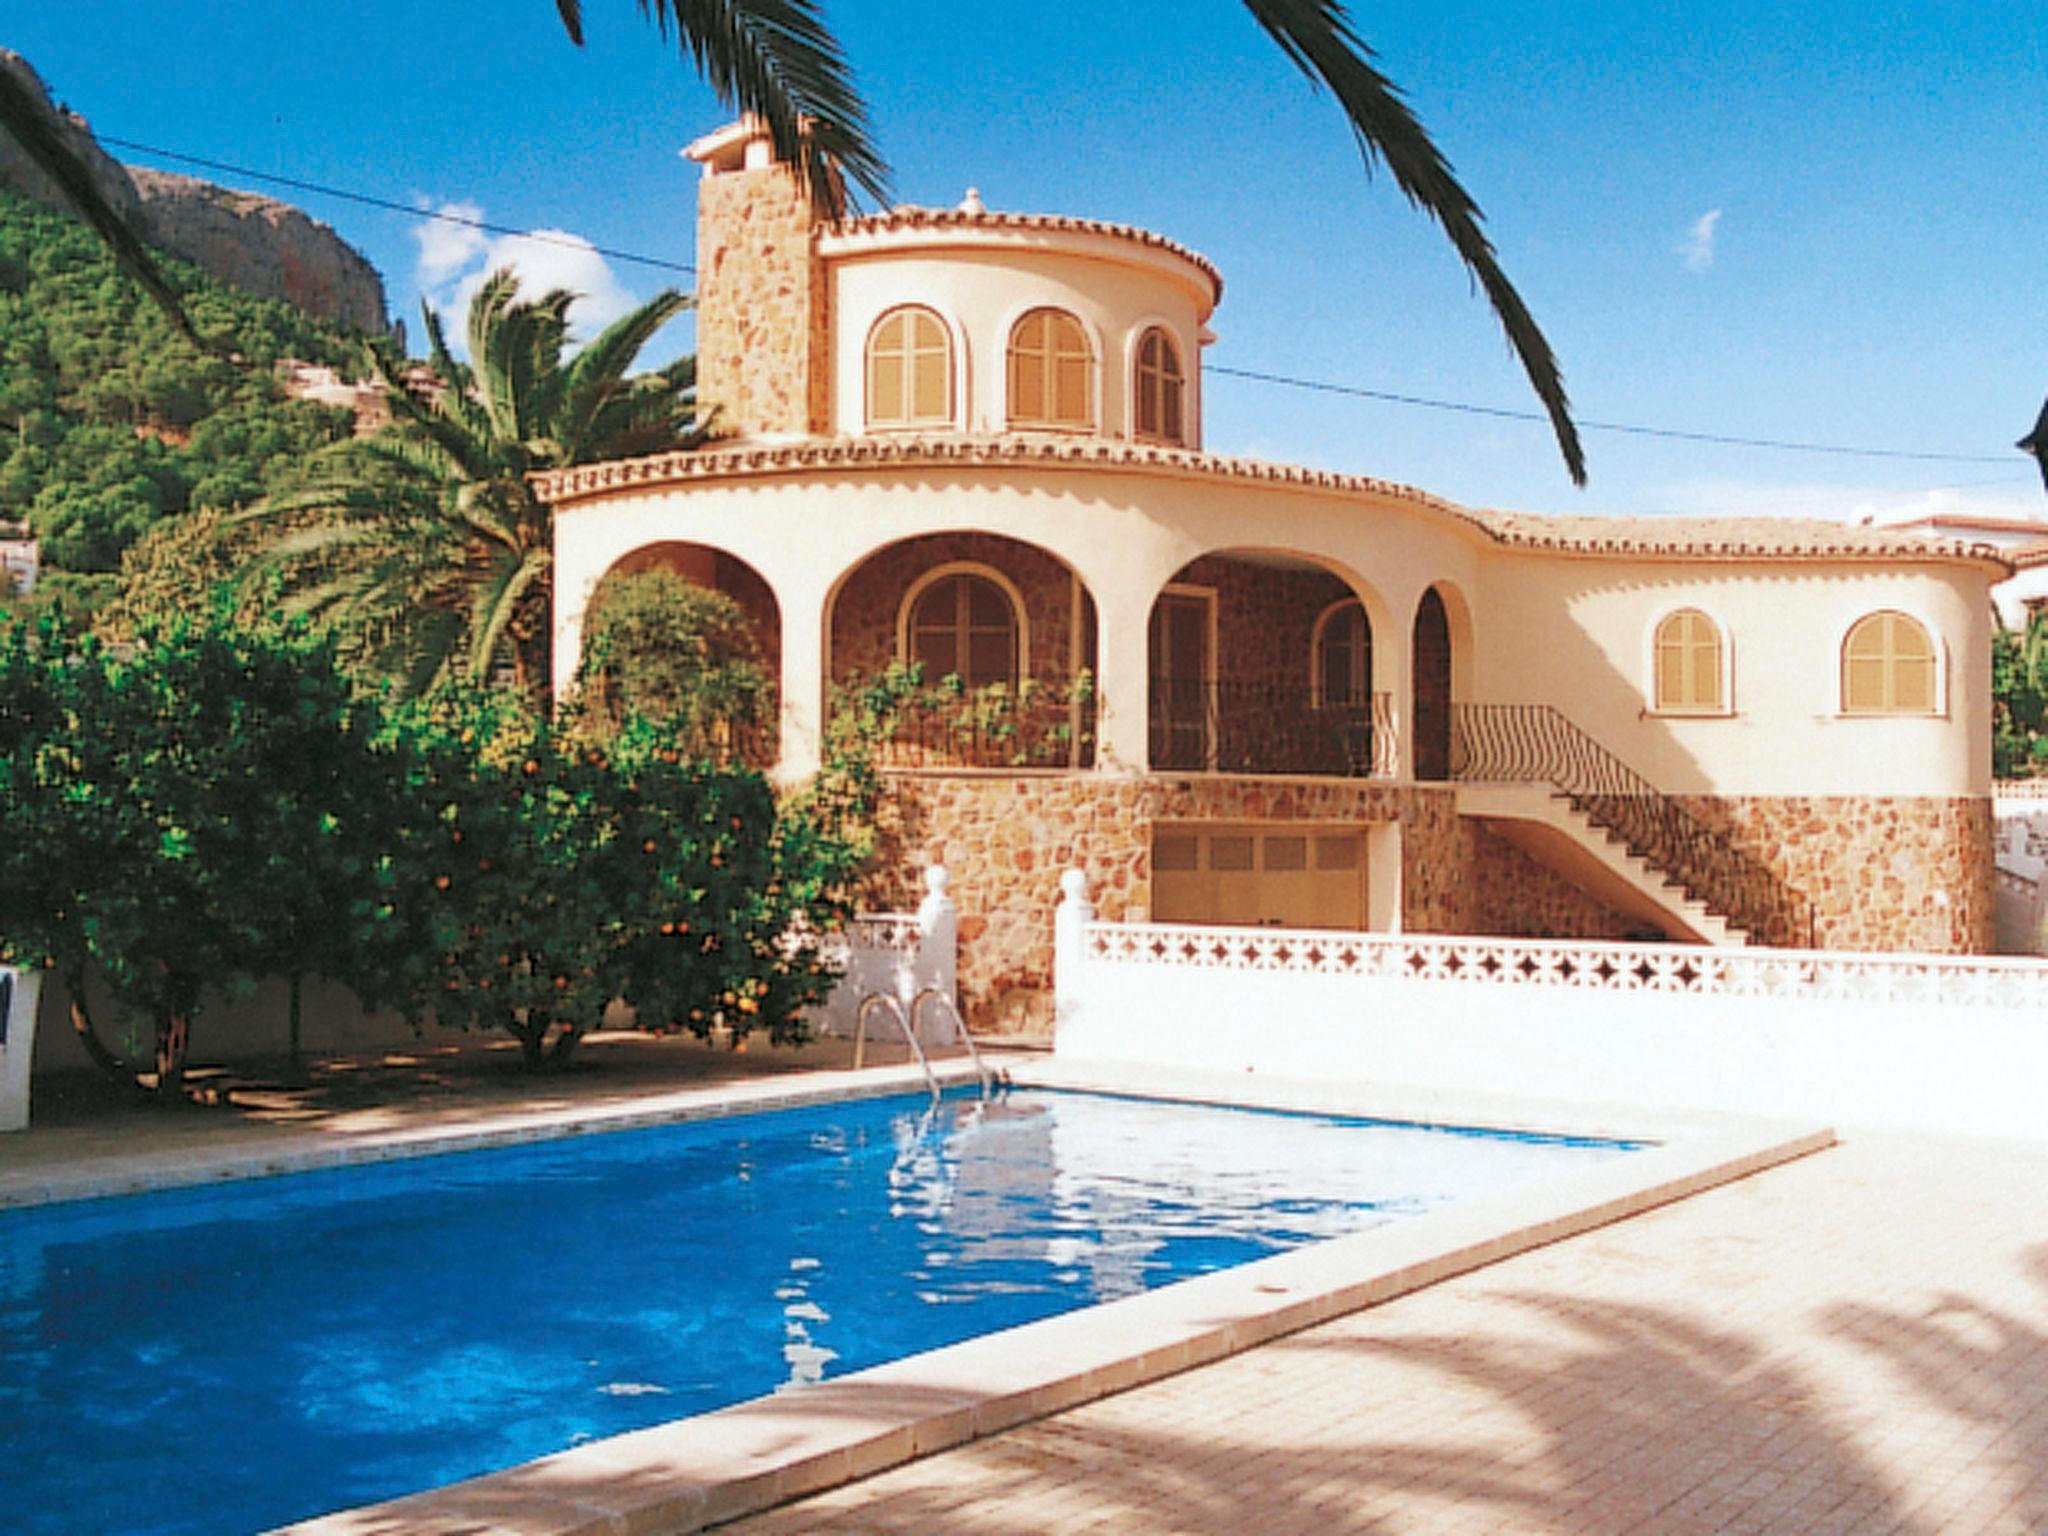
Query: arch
{"points": [[876, 616], [1689, 665], [965, 619], [1891, 665], [1237, 644], [911, 380], [1158, 389], [705, 565], [1050, 372], [1432, 659]]}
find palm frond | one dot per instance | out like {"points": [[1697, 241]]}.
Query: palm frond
{"points": [[498, 604], [598, 372], [778, 60], [1318, 37]]}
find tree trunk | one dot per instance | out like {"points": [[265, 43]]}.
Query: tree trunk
{"points": [[294, 1011], [532, 1035], [88, 1037], [173, 1036], [565, 1045]]}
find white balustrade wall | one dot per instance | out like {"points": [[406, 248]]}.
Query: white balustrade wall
{"points": [[895, 954], [1935, 1043]]}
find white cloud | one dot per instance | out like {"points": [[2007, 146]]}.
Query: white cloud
{"points": [[455, 259], [1697, 249]]}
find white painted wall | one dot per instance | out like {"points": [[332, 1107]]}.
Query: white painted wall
{"points": [[1955, 1046]]}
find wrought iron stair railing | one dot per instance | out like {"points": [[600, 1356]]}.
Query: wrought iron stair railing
{"points": [[1525, 743]]}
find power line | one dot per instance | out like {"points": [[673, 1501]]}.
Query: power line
{"points": [[1720, 439], [1318, 386], [411, 211]]}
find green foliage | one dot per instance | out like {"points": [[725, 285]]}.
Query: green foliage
{"points": [[2019, 700], [111, 420], [183, 812], [426, 544], [682, 656], [214, 804]]}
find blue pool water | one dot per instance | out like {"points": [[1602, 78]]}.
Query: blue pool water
{"points": [[232, 1358]]}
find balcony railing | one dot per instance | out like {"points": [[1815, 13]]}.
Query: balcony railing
{"points": [[1046, 721], [1232, 725], [1534, 743]]}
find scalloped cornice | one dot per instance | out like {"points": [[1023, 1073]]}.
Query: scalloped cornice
{"points": [[1580, 536]]}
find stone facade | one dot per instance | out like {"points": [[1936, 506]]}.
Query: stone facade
{"points": [[763, 305], [1884, 874], [1007, 838], [1905, 873]]}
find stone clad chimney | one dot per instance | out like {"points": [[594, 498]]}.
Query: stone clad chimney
{"points": [[762, 300]]}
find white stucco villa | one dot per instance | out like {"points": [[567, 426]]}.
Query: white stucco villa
{"points": [[1245, 692]]}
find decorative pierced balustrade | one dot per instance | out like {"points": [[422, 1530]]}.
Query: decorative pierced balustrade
{"points": [[1535, 743], [1046, 721], [1234, 725]]}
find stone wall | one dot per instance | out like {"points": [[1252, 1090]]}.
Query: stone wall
{"points": [[1894, 874], [762, 305], [1265, 617], [1908, 873], [1007, 838]]}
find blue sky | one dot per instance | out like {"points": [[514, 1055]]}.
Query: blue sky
{"points": [[1825, 224]]}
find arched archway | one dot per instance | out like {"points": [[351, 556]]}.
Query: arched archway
{"points": [[1262, 661], [1431, 665], [702, 565], [1002, 634]]}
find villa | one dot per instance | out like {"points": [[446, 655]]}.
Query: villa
{"points": [[1249, 693]]}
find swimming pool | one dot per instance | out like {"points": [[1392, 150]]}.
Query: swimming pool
{"points": [[226, 1359]]}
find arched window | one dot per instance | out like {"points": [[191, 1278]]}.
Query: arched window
{"points": [[1888, 667], [1052, 372], [1160, 388], [1688, 665], [1343, 655], [910, 370], [963, 624]]}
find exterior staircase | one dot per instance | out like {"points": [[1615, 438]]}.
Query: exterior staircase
{"points": [[1554, 791]]}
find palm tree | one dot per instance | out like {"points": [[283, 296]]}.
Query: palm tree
{"points": [[425, 544], [777, 59]]}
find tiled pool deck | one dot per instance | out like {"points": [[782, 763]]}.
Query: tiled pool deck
{"points": [[1854, 1341]]}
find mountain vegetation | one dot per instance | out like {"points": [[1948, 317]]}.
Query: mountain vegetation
{"points": [[112, 423]]}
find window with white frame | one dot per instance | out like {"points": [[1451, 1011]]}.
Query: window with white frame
{"points": [[1051, 372], [1691, 675], [964, 624], [1889, 666], [1161, 389], [910, 370]]}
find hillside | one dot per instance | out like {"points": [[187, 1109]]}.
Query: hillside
{"points": [[109, 422], [268, 247]]}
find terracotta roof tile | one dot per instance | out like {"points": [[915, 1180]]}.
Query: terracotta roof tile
{"points": [[1718, 538], [911, 217]]}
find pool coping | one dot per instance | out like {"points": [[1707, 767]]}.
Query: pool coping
{"points": [[690, 1473]]}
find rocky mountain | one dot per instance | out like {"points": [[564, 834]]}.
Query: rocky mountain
{"points": [[256, 243]]}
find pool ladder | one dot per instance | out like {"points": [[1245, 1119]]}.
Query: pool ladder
{"points": [[907, 1023]]}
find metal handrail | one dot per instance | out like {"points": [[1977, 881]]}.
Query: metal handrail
{"points": [[1519, 743], [1258, 725], [941, 995], [883, 999]]}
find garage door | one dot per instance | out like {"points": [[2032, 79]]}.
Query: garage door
{"points": [[1278, 874]]}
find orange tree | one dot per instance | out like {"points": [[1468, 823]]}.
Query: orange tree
{"points": [[184, 815], [541, 875]]}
